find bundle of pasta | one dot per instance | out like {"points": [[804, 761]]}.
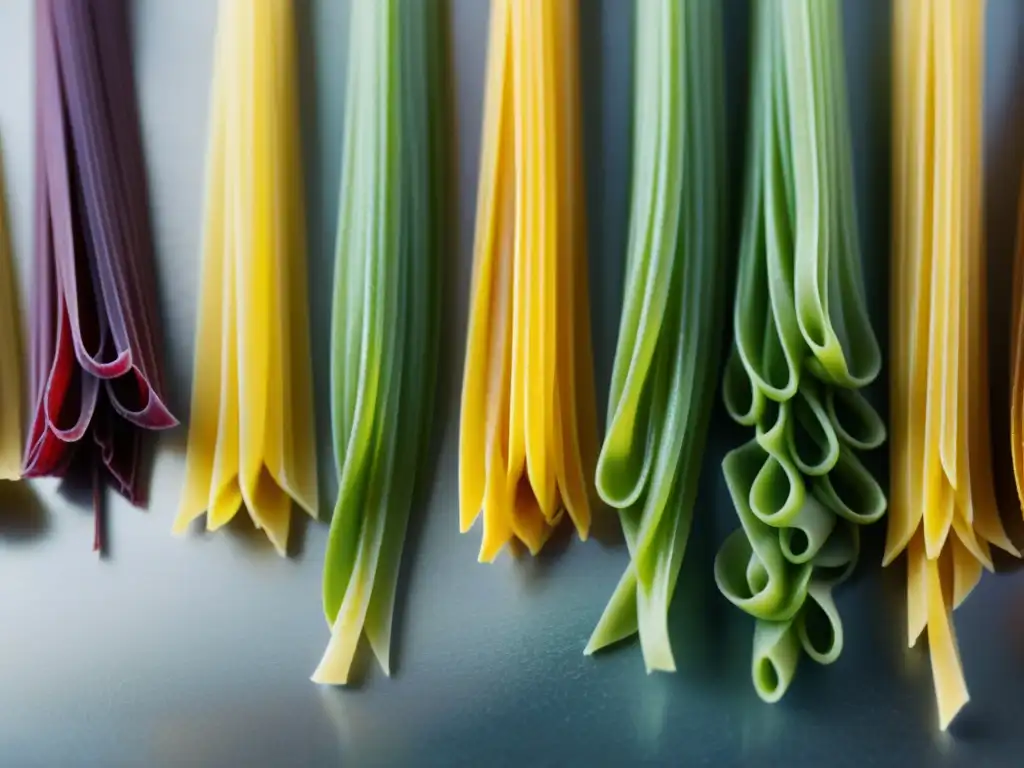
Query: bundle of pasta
{"points": [[386, 302], [10, 354], [251, 437], [528, 429], [665, 373], [95, 364], [803, 348], [944, 513]]}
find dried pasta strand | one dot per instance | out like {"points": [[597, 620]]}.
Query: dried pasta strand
{"points": [[97, 379], [10, 353], [251, 437], [944, 513], [1017, 361], [528, 434], [489, 326], [391, 237], [803, 347], [672, 319]]}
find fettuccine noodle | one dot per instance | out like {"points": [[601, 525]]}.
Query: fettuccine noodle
{"points": [[803, 348], [1017, 361], [527, 440], [944, 513], [251, 437], [10, 353], [386, 300], [96, 373], [666, 361]]}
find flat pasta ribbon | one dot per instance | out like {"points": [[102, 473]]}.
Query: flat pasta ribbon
{"points": [[944, 514], [96, 378], [391, 239], [1017, 359], [527, 434], [670, 331], [10, 353], [251, 438], [803, 347]]}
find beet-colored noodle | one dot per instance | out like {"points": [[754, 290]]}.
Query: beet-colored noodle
{"points": [[96, 377]]}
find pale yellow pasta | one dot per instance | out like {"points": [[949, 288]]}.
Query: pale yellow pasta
{"points": [[10, 355], [251, 438], [943, 512]]}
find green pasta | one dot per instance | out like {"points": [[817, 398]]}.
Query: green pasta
{"points": [[802, 348], [671, 326], [385, 325]]}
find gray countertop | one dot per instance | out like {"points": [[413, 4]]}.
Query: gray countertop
{"points": [[198, 651]]}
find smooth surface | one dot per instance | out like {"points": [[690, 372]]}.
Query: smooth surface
{"points": [[198, 651]]}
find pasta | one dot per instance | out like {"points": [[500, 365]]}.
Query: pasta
{"points": [[10, 355], [664, 375], [802, 349], [96, 378], [251, 438], [528, 424], [386, 302], [1017, 363], [944, 514]]}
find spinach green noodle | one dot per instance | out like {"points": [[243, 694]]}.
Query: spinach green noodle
{"points": [[803, 346], [387, 293], [665, 367]]}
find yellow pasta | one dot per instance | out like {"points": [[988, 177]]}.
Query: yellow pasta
{"points": [[943, 511], [528, 431], [251, 437], [1017, 361], [10, 355]]}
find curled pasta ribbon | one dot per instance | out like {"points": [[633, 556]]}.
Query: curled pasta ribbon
{"points": [[670, 331], [528, 426], [96, 378], [944, 514], [251, 438], [386, 303], [10, 353], [803, 347]]}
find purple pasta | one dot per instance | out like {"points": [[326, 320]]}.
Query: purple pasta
{"points": [[95, 372]]}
